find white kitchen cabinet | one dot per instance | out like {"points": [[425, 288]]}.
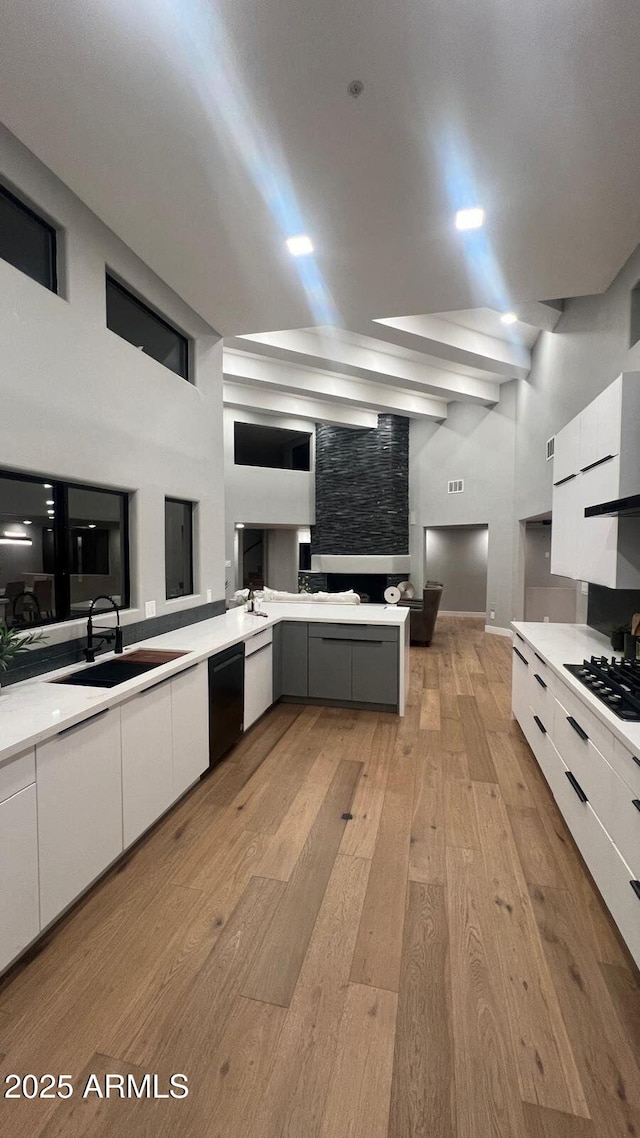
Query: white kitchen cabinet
{"points": [[258, 679], [147, 759], [79, 783], [189, 726], [600, 426], [521, 688], [566, 525], [566, 457], [597, 546], [19, 899]]}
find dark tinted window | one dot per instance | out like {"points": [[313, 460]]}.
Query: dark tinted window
{"points": [[141, 326], [178, 547], [271, 446], [60, 546], [27, 241]]}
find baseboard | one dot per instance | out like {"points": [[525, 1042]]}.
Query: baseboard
{"points": [[452, 612], [498, 631]]}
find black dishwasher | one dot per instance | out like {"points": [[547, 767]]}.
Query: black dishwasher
{"points": [[226, 701]]}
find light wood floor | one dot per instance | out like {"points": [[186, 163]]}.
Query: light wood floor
{"points": [[437, 965]]}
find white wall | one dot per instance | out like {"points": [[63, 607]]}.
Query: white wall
{"points": [[477, 444], [457, 556], [79, 403], [261, 496]]}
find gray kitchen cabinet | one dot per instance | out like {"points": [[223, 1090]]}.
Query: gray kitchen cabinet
{"points": [[329, 668], [374, 672], [292, 659], [354, 664]]}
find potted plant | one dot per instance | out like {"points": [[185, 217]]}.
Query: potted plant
{"points": [[14, 641], [617, 636]]}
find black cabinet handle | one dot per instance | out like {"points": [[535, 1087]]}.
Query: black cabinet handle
{"points": [[576, 786], [540, 659], [636, 803], [540, 725], [635, 885], [521, 657], [598, 462], [540, 680], [636, 760], [562, 481], [520, 637], [354, 640], [576, 727]]}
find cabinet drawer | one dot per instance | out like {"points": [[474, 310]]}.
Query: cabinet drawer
{"points": [[19, 904], [352, 632], [585, 760], [569, 704], [542, 695], [258, 641], [623, 821], [329, 668], [548, 758], [627, 766], [589, 834], [17, 773]]}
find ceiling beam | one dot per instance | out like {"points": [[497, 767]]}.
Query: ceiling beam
{"points": [[460, 345], [330, 354], [312, 383], [540, 314], [250, 397]]}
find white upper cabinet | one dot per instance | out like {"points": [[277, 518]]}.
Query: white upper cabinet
{"points": [[596, 461], [566, 458], [600, 427]]}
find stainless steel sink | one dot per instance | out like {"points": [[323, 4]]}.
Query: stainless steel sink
{"points": [[120, 669]]}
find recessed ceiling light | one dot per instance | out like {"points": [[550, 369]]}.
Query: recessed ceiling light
{"points": [[299, 246], [26, 522], [47, 485], [49, 502], [509, 317], [470, 218], [51, 513], [92, 525], [239, 525]]}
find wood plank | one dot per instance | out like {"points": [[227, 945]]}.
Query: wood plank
{"points": [[379, 945], [544, 1123], [487, 1098], [481, 766], [539, 863], [360, 1088], [623, 986], [423, 1091], [111, 1116], [274, 973], [461, 827], [360, 835], [546, 1065], [606, 1063], [294, 1101], [430, 710], [287, 843], [510, 776]]}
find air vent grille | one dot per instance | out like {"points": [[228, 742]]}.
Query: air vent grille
{"points": [[551, 447], [456, 486]]}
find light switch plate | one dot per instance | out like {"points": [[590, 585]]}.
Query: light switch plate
{"points": [[149, 609], [227, 564]]}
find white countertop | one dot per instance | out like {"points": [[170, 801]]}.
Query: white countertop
{"points": [[561, 644], [36, 709]]}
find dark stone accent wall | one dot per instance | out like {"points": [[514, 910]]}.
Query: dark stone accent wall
{"points": [[362, 489], [609, 608], [52, 656]]}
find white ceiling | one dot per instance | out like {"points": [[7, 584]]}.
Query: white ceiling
{"points": [[203, 133]]}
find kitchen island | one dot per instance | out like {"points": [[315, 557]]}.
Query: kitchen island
{"points": [[85, 771]]}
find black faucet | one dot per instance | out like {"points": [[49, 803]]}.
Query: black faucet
{"points": [[110, 633]]}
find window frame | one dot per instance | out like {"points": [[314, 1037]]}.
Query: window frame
{"points": [[61, 540], [191, 592], [46, 225], [113, 280]]}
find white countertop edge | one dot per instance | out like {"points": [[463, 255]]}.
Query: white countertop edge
{"points": [[587, 642], [199, 641]]}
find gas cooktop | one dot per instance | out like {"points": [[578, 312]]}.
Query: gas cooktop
{"points": [[616, 682]]}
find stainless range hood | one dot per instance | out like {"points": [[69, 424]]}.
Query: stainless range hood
{"points": [[621, 507]]}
